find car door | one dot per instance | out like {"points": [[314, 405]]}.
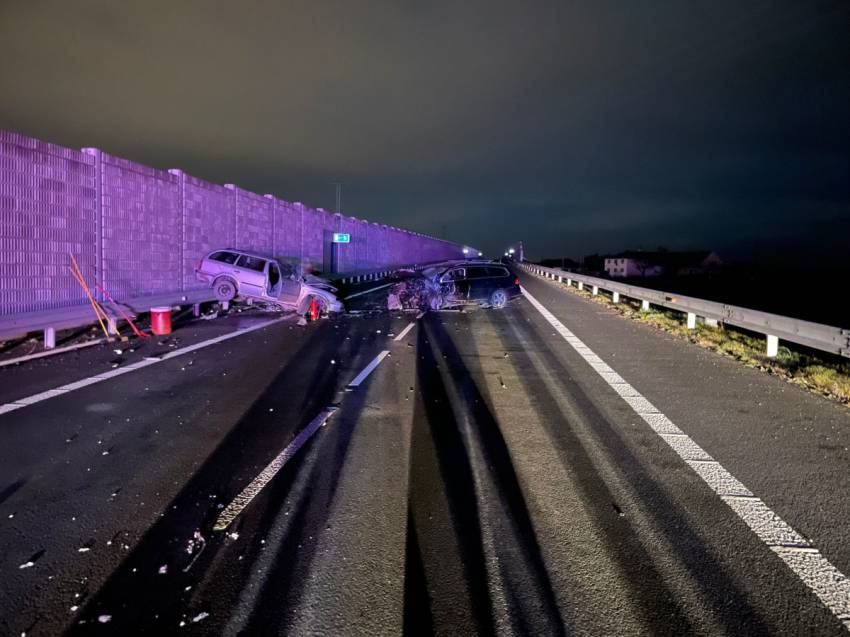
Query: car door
{"points": [[251, 272], [480, 282], [273, 280], [455, 284]]}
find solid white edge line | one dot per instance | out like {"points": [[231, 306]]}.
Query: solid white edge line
{"points": [[232, 510], [829, 584], [118, 371], [404, 331], [368, 369], [51, 352]]}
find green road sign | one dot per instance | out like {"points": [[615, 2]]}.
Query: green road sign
{"points": [[342, 237]]}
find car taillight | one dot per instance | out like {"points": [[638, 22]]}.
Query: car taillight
{"points": [[516, 281]]}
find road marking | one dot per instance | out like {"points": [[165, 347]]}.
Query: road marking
{"points": [[380, 287], [51, 352], [232, 510], [830, 585], [118, 371], [368, 369], [405, 331]]}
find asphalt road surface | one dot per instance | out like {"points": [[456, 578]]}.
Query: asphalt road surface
{"points": [[459, 473]]}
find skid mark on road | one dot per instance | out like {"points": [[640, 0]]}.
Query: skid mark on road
{"points": [[242, 500], [830, 585]]}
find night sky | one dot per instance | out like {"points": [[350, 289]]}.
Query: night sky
{"points": [[579, 127]]}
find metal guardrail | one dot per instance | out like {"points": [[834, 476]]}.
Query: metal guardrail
{"points": [[51, 321], [775, 327]]}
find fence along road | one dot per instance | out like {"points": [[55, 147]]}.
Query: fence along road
{"points": [[826, 338]]}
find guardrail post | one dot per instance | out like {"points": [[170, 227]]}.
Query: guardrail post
{"points": [[710, 322], [196, 310], [49, 338], [580, 285], [692, 320], [569, 282], [595, 290], [560, 279], [772, 346], [644, 306], [615, 297]]}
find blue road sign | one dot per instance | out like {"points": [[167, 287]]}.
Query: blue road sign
{"points": [[342, 237]]}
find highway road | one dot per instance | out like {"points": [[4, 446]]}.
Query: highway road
{"points": [[547, 469]]}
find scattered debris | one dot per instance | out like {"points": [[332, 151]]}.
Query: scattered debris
{"points": [[200, 617], [195, 545], [32, 560], [302, 322], [163, 570], [104, 619]]}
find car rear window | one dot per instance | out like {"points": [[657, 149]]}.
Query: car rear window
{"points": [[251, 263], [497, 272], [224, 257]]}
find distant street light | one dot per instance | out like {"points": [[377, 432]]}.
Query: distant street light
{"points": [[480, 254], [511, 251]]}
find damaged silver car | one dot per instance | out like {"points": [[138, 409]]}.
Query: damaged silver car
{"points": [[233, 274]]}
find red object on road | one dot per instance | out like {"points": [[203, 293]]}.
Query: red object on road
{"points": [[314, 309], [161, 320]]}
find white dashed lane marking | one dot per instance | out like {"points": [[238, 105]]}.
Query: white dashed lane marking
{"points": [[232, 510], [404, 331], [364, 374], [830, 585]]}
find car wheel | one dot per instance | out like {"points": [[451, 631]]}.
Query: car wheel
{"points": [[224, 289], [498, 299]]}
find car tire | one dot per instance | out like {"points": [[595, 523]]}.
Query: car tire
{"points": [[224, 289], [499, 299]]}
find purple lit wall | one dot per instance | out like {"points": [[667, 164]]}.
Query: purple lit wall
{"points": [[142, 230]]}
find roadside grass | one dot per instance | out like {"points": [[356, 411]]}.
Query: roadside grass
{"points": [[817, 374]]}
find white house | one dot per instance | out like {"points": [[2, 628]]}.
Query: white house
{"points": [[644, 264], [625, 266]]}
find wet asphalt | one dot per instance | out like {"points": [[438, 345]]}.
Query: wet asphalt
{"points": [[482, 480]]}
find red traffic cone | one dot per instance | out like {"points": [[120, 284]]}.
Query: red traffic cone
{"points": [[314, 309]]}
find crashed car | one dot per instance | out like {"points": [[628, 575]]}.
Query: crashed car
{"points": [[451, 284], [234, 274], [481, 282]]}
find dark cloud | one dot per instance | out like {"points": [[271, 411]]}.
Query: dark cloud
{"points": [[579, 127]]}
